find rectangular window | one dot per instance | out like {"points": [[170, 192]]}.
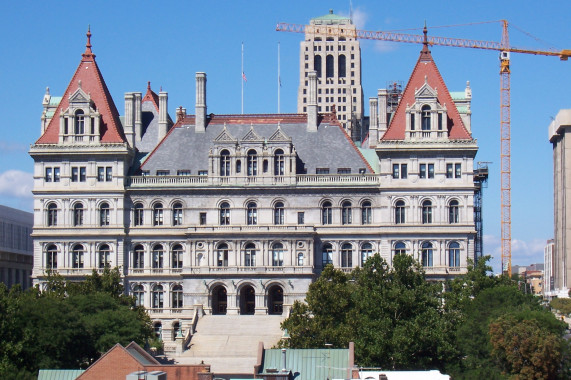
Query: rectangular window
{"points": [[163, 172], [412, 122], [82, 173], [458, 170], [301, 217], [74, 174], [108, 174], [439, 121], [343, 170], [448, 170], [322, 171], [202, 216], [100, 174], [396, 171], [203, 172], [48, 177], [422, 171], [56, 174], [145, 173], [403, 171], [183, 172], [430, 170]]}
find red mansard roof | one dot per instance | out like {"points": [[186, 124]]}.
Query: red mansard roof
{"points": [[93, 84], [426, 70]]}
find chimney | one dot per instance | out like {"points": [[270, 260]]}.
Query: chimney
{"points": [[284, 368], [373, 122], [138, 116], [200, 124], [128, 126], [382, 113], [163, 109], [312, 102]]}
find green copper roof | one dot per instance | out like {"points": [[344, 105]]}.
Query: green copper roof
{"points": [[59, 374], [331, 18], [458, 95], [309, 364], [372, 158], [462, 109], [55, 100]]}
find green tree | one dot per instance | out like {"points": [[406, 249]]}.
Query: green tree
{"points": [[563, 305]]}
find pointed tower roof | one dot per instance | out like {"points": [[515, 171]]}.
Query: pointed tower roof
{"points": [[426, 71], [89, 78], [151, 96]]}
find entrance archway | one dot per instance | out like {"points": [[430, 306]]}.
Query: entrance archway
{"points": [[219, 300], [247, 300], [275, 300]]}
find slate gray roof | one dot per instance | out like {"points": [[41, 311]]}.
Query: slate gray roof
{"points": [[329, 147]]}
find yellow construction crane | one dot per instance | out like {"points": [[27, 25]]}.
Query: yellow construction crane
{"points": [[505, 133]]}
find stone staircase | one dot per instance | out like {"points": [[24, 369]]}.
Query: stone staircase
{"points": [[229, 343]]}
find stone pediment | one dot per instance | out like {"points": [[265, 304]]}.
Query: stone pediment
{"points": [[426, 92], [225, 136], [252, 136], [79, 96], [279, 135]]}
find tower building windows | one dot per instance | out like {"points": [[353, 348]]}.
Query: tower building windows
{"points": [[342, 66], [329, 66], [79, 122]]}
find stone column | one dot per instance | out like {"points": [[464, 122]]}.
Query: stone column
{"points": [[312, 102], [200, 124], [163, 112]]}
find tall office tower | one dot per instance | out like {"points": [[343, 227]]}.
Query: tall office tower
{"points": [[331, 49]]}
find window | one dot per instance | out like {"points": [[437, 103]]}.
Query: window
{"points": [[400, 248], [158, 329], [412, 126], [203, 172], [422, 171], [224, 163], [163, 172], [403, 171], [317, 65], [79, 122], [56, 174], [252, 162], [51, 257], [82, 173], [177, 214], [74, 174], [430, 170], [139, 294], [326, 211], [52, 215], [396, 171], [326, 254], [366, 252], [449, 173], [176, 253], [344, 171], [342, 64], [158, 301], [108, 174], [138, 214], [104, 214], [453, 212], [278, 255], [222, 254], [426, 254], [158, 256], [439, 121], [139, 257], [77, 256], [279, 162], [458, 170], [425, 118], [250, 255], [279, 213], [183, 172], [158, 214], [400, 212], [48, 176], [252, 214], [224, 214], [346, 213], [322, 171], [366, 211], [346, 256], [301, 217], [176, 328], [426, 212], [78, 214], [176, 297], [329, 68], [202, 217], [100, 174], [454, 254], [299, 259], [265, 166], [104, 256]]}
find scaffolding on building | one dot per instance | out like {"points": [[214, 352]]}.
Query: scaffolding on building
{"points": [[480, 182]]}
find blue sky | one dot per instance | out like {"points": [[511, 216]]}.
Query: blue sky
{"points": [[167, 42]]}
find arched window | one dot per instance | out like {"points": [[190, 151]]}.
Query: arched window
{"points": [[278, 255], [366, 252], [425, 118], [346, 256], [250, 255], [78, 214], [224, 163], [326, 254], [176, 253], [329, 66], [51, 257], [104, 256], [224, 214], [346, 213], [77, 256], [158, 214], [79, 122], [326, 210], [426, 212], [400, 248], [104, 214], [158, 329], [175, 330], [52, 215], [252, 214], [454, 254], [427, 254], [342, 66], [453, 212], [317, 65], [158, 297], [176, 297], [279, 162], [279, 213], [300, 259], [400, 212], [177, 214], [222, 255], [158, 256], [139, 294], [366, 212], [138, 216], [139, 257], [252, 162]]}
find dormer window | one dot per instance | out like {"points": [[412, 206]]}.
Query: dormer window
{"points": [[79, 122], [425, 119]]}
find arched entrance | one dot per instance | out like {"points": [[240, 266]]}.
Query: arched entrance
{"points": [[219, 300], [247, 300], [275, 300]]}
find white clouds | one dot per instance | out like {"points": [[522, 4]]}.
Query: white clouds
{"points": [[523, 252], [16, 183], [359, 17]]}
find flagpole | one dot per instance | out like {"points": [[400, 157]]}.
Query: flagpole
{"points": [[242, 78], [279, 78]]}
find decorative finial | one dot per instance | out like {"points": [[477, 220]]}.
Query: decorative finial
{"points": [[88, 53], [425, 52], [161, 89], [148, 85]]}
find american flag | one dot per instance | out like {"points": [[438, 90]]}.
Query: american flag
{"points": [[244, 77]]}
